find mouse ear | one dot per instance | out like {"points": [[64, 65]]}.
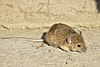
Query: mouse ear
{"points": [[68, 40], [80, 32]]}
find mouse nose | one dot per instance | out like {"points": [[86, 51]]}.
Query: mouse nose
{"points": [[84, 49]]}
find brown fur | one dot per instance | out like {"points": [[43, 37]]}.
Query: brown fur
{"points": [[64, 37]]}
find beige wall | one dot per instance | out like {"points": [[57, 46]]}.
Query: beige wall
{"points": [[37, 13]]}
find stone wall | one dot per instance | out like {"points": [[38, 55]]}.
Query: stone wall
{"points": [[39, 13]]}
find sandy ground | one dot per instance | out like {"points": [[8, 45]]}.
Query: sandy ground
{"points": [[19, 52], [30, 18]]}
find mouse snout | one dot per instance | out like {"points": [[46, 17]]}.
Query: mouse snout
{"points": [[83, 49]]}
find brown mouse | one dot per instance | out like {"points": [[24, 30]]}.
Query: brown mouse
{"points": [[64, 37]]}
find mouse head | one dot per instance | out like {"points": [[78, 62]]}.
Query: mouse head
{"points": [[76, 43]]}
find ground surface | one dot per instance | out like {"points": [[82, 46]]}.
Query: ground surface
{"points": [[19, 52], [30, 18]]}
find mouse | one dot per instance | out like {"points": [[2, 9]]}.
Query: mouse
{"points": [[64, 37]]}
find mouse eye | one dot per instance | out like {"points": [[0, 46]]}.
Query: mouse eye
{"points": [[78, 45]]}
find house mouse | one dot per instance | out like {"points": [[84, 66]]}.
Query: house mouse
{"points": [[64, 37]]}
